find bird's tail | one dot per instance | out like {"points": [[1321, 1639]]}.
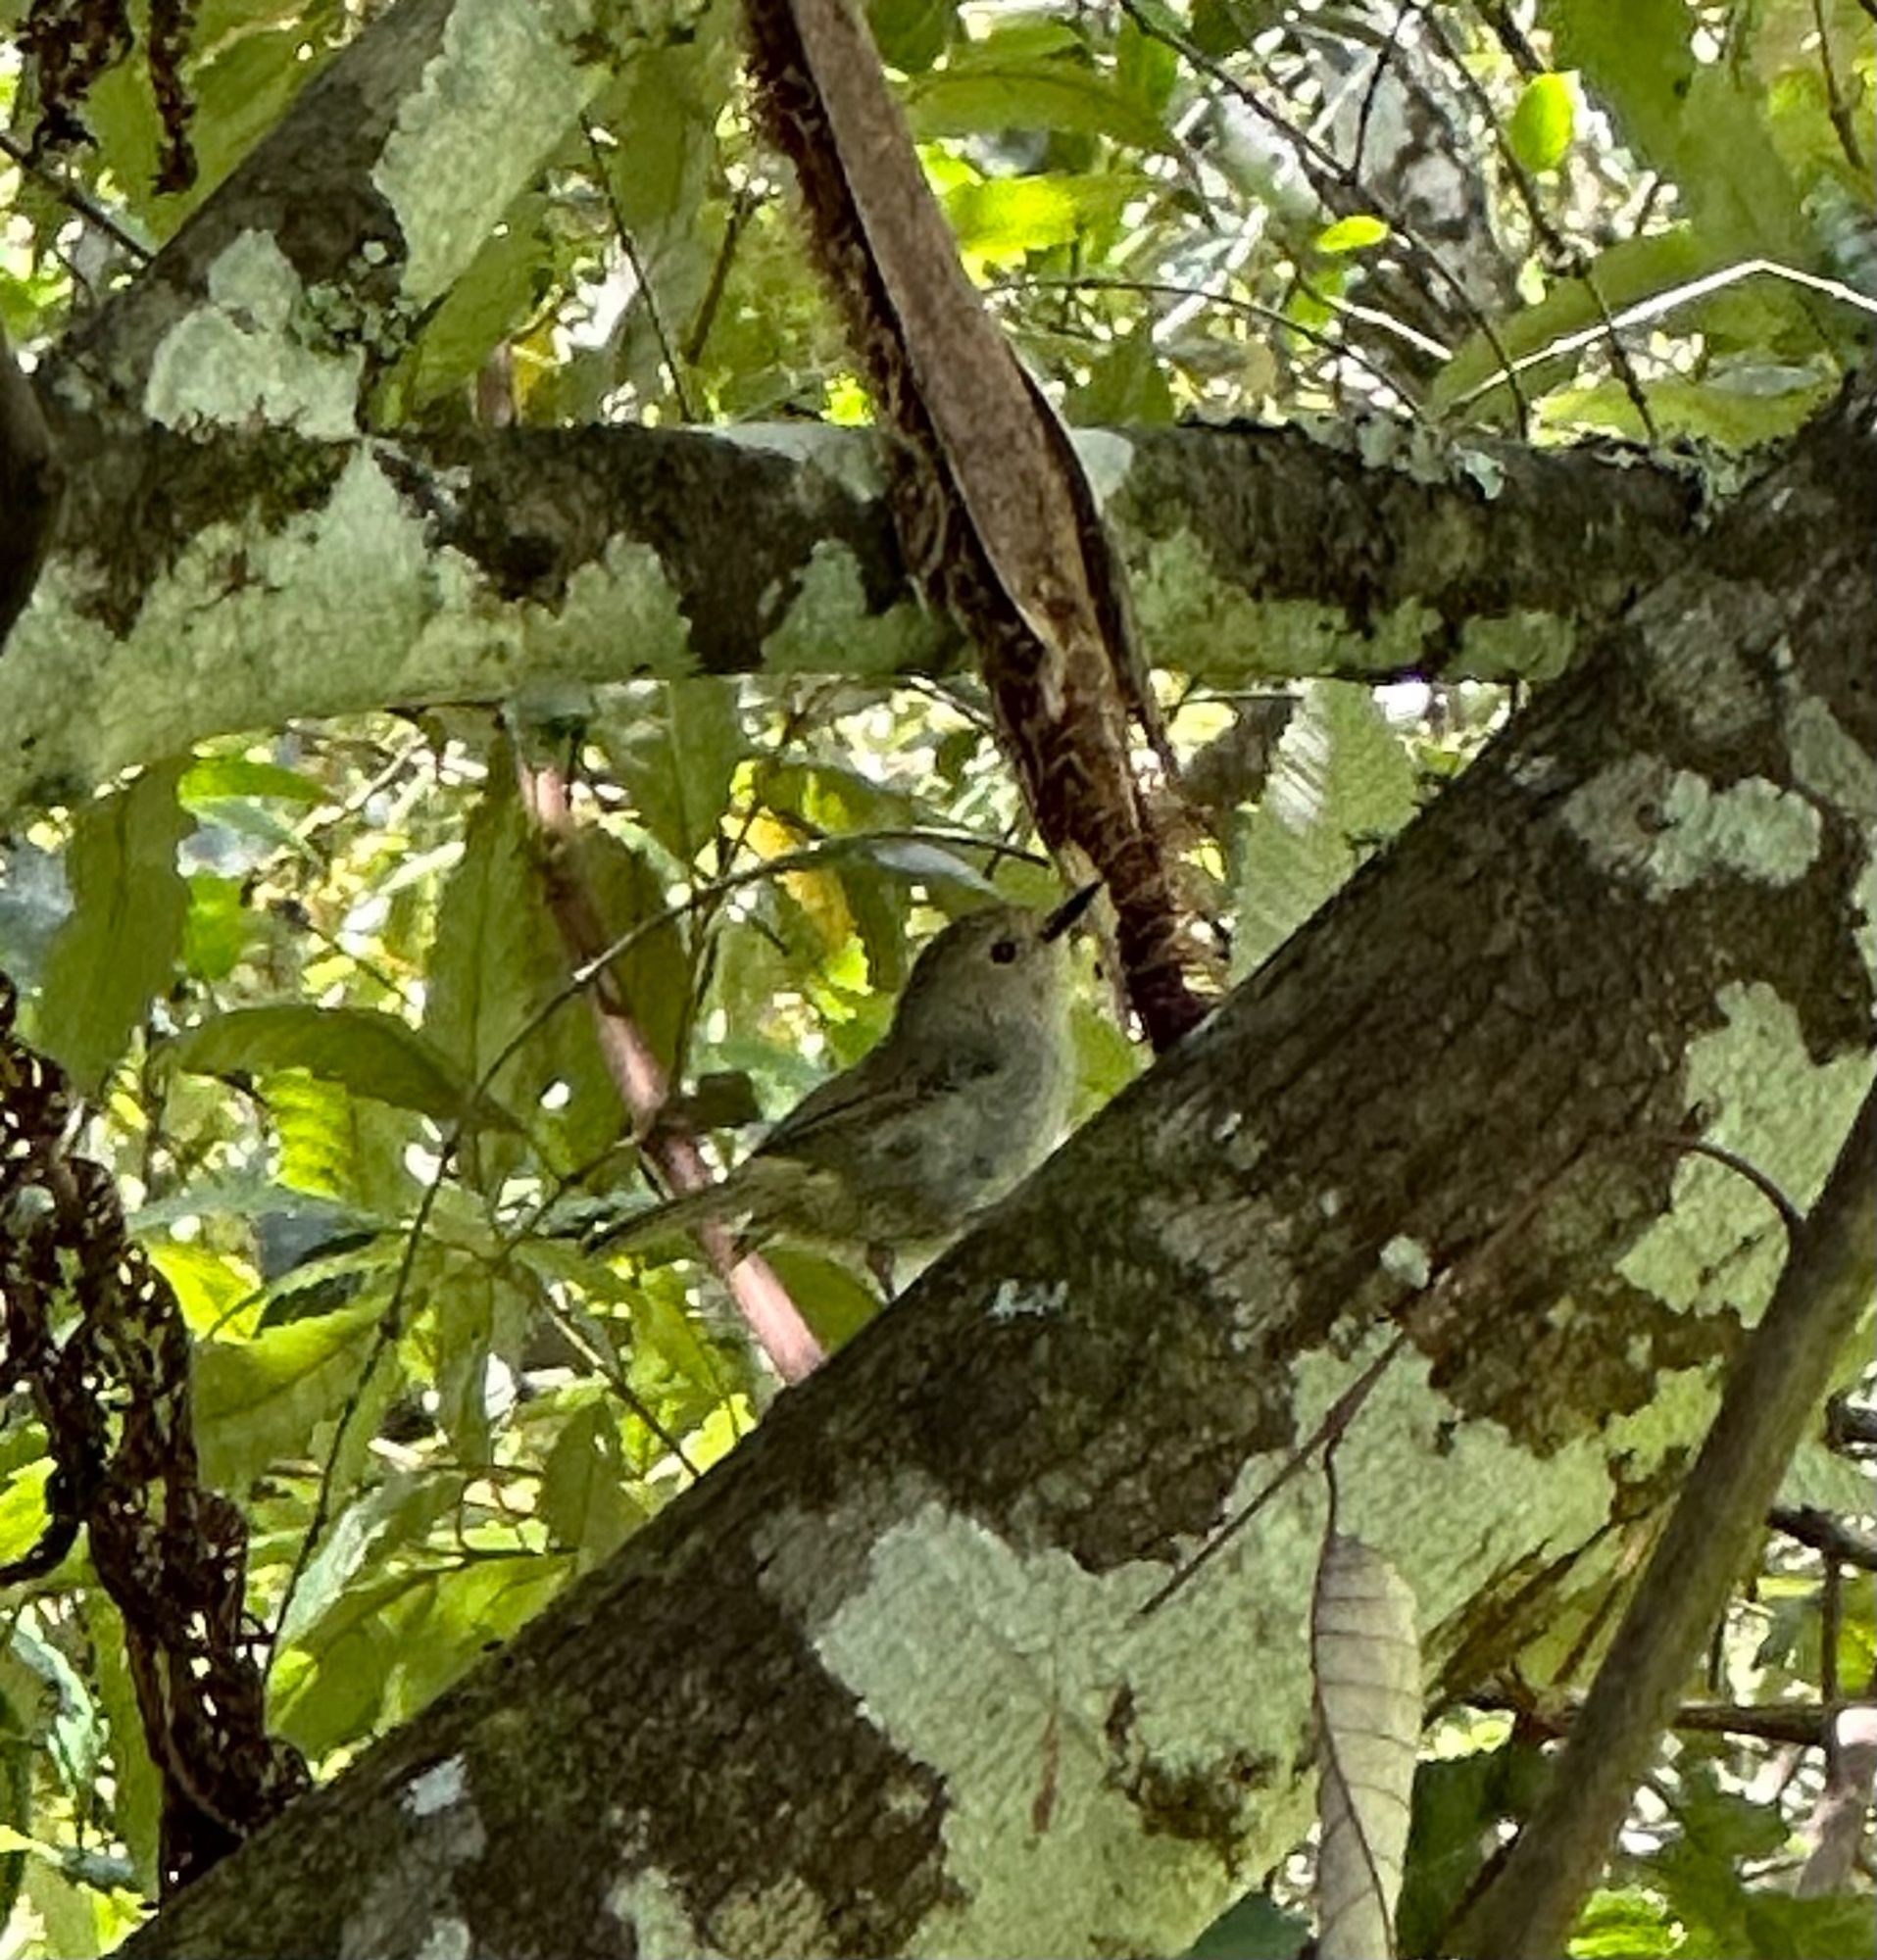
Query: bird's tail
{"points": [[719, 1203]]}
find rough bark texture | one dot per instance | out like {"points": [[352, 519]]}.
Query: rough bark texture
{"points": [[31, 483], [884, 1684], [226, 580]]}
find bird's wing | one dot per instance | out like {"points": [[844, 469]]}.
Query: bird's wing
{"points": [[868, 1094]]}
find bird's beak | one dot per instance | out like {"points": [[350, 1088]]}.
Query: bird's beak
{"points": [[1069, 910]]}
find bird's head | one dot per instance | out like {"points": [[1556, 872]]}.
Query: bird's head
{"points": [[1000, 965]]}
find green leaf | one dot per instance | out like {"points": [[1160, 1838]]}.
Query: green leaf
{"points": [[1627, 1925], [1635, 270], [1342, 781], [1730, 418], [911, 34], [245, 77], [1352, 235], [16, 1800], [1257, 1928], [1034, 95], [119, 949], [137, 1807], [209, 1287], [471, 1316], [324, 1696], [1543, 122], [211, 779], [369, 1053], [675, 746], [385, 1519], [653, 973], [1126, 385], [337, 1146], [498, 963], [495, 292], [659, 171], [219, 928], [23, 1515], [259, 1400], [1785, 1928], [1001, 218], [1146, 67], [444, 1628], [835, 1303], [582, 1501], [1702, 124], [1459, 1805]]}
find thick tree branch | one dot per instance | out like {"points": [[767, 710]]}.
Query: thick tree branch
{"points": [[240, 581], [881, 1682]]}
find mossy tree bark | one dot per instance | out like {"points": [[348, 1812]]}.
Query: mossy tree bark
{"points": [[887, 1682]]}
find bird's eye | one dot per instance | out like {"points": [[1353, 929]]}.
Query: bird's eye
{"points": [[1003, 952]]}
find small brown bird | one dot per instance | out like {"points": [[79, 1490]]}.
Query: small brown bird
{"points": [[966, 1095]]}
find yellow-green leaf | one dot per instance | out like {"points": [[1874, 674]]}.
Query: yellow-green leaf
{"points": [[1543, 122], [1352, 235]]}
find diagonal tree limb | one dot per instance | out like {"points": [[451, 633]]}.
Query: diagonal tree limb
{"points": [[1775, 1387], [995, 518]]}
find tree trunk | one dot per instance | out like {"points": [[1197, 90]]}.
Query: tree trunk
{"points": [[889, 1680]]}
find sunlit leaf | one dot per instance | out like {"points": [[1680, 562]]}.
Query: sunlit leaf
{"points": [[1352, 235], [209, 779], [1033, 94], [23, 1515], [119, 949], [1543, 122], [1001, 218], [262, 1399], [372, 1055]]}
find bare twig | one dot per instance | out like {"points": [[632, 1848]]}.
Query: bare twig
{"points": [[76, 196], [775, 1321], [1822, 1532], [1557, 247], [742, 206], [653, 311], [1251, 309], [1837, 108]]}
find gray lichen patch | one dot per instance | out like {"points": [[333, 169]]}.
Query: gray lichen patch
{"points": [[1665, 829], [651, 1912], [839, 456], [1197, 622], [339, 609], [1827, 760], [508, 84], [828, 628], [1449, 1502], [236, 358], [1105, 459], [1084, 1722], [1753, 1088]]}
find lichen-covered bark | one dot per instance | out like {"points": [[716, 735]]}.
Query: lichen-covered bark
{"points": [[217, 579], [887, 1681], [374, 192]]}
